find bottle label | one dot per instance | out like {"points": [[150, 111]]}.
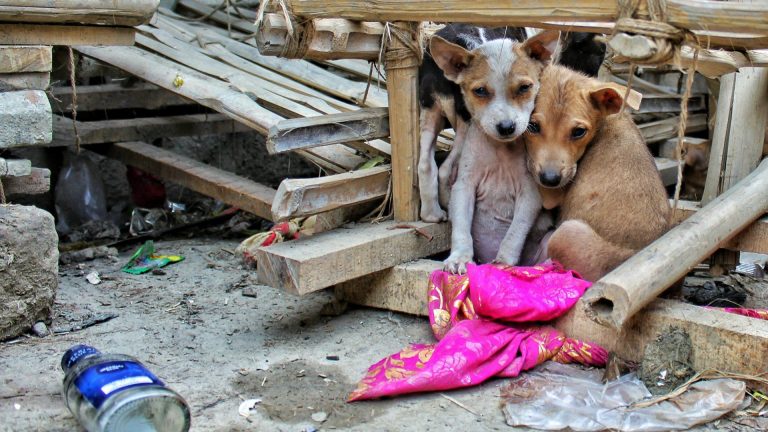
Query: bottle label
{"points": [[99, 382]]}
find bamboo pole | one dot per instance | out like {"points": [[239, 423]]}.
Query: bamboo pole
{"points": [[620, 294], [402, 85], [689, 14]]}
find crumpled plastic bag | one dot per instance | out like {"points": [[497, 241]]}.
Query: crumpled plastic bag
{"points": [[557, 396], [79, 195], [145, 259]]}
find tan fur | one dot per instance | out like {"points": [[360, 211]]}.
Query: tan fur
{"points": [[610, 183]]}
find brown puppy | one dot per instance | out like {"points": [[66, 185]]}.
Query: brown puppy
{"points": [[592, 161]]}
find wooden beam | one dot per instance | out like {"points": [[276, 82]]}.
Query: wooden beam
{"points": [[312, 263], [50, 34], [667, 170], [753, 238], [115, 96], [15, 167], [304, 197], [669, 104], [25, 118], [142, 128], [37, 182], [303, 133], [323, 39], [191, 84], [403, 90], [213, 182], [720, 340], [15, 59], [402, 288], [101, 12], [661, 130], [25, 81], [621, 293], [692, 15]]}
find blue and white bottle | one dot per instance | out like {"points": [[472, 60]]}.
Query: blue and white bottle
{"points": [[116, 393]]}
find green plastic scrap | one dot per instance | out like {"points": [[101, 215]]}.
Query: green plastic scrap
{"points": [[144, 259]]}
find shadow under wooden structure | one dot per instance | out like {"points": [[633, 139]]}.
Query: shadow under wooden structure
{"points": [[326, 111]]}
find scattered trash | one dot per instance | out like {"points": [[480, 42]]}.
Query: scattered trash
{"points": [[279, 232], [123, 394], [144, 221], [40, 329], [717, 293], [93, 278], [247, 406], [147, 191], [559, 397], [79, 193], [17, 406], [666, 362], [250, 292], [94, 230], [87, 321], [144, 259], [319, 416], [87, 254], [332, 357]]}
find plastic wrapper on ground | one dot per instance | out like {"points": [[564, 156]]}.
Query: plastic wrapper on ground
{"points": [[557, 397]]}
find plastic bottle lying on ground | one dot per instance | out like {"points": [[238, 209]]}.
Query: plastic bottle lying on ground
{"points": [[116, 393]]}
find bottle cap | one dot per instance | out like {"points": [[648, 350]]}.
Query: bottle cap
{"points": [[74, 354]]}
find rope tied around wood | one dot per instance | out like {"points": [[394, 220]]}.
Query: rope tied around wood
{"points": [[298, 34], [409, 53], [645, 41]]}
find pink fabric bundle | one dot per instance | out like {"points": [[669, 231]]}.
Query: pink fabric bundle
{"points": [[474, 345]]}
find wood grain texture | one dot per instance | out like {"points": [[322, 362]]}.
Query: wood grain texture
{"points": [[115, 96], [320, 261], [304, 197], [101, 12], [213, 182], [35, 58], [51, 34]]}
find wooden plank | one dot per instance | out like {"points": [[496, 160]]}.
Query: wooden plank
{"points": [[636, 282], [37, 182], [668, 148], [50, 34], [116, 96], [303, 133], [25, 118], [213, 182], [15, 167], [667, 170], [203, 89], [661, 130], [101, 12], [312, 263], [15, 59], [25, 81], [669, 104], [402, 288], [304, 197], [142, 128], [702, 14], [403, 90]]}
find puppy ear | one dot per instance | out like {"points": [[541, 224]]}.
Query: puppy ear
{"points": [[451, 58], [608, 97], [542, 46]]}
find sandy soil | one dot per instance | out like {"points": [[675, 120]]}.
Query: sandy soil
{"points": [[196, 330]]}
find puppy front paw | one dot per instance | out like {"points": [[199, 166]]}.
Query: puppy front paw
{"points": [[457, 261], [434, 214], [509, 259]]}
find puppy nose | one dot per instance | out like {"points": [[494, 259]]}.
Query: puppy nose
{"points": [[506, 128], [550, 178]]}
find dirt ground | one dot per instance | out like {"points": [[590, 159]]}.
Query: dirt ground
{"points": [[217, 347]]}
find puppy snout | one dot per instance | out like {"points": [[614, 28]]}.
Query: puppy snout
{"points": [[550, 178], [505, 128]]}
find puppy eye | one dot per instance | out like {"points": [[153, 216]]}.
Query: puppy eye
{"points": [[481, 92], [578, 132], [523, 89], [533, 127]]}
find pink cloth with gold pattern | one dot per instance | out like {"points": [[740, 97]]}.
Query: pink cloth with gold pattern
{"points": [[474, 344]]}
